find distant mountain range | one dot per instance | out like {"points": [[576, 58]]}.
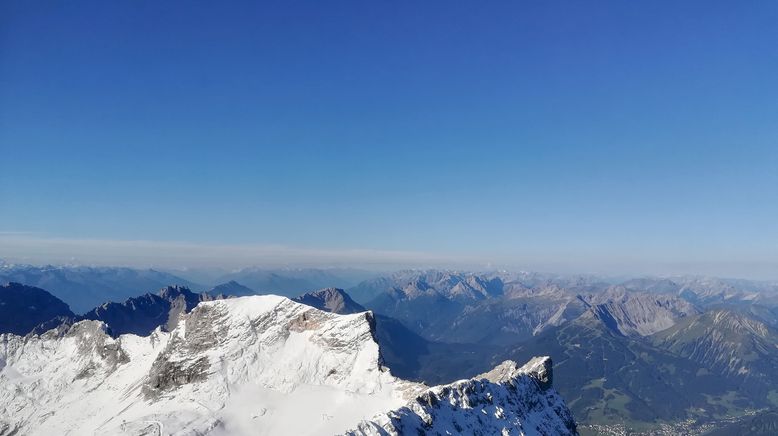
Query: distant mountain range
{"points": [[86, 287], [294, 281], [231, 288], [685, 351], [633, 352]]}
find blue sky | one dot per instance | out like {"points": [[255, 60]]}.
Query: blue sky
{"points": [[606, 135]]}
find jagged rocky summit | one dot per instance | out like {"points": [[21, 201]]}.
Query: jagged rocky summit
{"points": [[254, 365], [508, 400], [141, 315], [331, 300]]}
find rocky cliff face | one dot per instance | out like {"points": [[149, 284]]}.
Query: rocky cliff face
{"points": [[638, 313], [259, 365]]}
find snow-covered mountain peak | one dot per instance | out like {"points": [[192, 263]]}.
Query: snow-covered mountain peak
{"points": [[261, 361], [274, 342], [252, 365]]}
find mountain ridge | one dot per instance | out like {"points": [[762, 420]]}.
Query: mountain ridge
{"points": [[293, 360], [23, 308]]}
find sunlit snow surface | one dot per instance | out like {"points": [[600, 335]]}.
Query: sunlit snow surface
{"points": [[254, 365]]}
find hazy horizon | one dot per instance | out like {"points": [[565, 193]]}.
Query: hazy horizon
{"points": [[183, 255]]}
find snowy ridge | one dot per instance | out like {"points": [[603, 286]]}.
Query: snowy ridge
{"points": [[509, 400], [251, 365]]}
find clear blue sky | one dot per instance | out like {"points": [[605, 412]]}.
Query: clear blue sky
{"points": [[591, 134]]}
